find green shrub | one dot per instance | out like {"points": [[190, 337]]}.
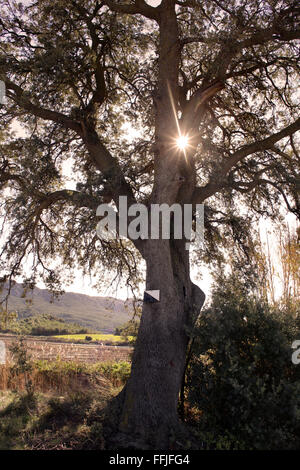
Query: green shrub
{"points": [[117, 372], [129, 330], [241, 381], [22, 366]]}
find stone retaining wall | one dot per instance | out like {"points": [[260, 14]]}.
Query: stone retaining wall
{"points": [[41, 348]]}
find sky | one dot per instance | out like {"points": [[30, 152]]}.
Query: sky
{"points": [[153, 3]]}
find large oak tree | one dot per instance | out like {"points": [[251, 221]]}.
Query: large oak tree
{"points": [[223, 73]]}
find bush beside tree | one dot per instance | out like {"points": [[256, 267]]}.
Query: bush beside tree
{"points": [[242, 386]]}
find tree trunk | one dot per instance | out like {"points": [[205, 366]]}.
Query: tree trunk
{"points": [[149, 412], [148, 403]]}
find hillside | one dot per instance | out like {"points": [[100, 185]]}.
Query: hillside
{"points": [[99, 313]]}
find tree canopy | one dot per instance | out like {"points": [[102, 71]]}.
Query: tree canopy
{"points": [[76, 71]]}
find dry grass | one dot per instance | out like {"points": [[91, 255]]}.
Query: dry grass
{"points": [[58, 377], [55, 405], [50, 422]]}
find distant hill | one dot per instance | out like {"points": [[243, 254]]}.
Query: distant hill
{"points": [[100, 313]]}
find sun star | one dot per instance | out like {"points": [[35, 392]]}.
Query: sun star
{"points": [[182, 142]]}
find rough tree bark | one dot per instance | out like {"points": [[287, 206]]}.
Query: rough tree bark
{"points": [[149, 400]]}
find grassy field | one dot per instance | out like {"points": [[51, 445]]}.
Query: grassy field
{"points": [[64, 409], [104, 338], [64, 377]]}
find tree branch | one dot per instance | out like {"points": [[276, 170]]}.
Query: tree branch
{"points": [[260, 145], [100, 92], [138, 7], [220, 180], [20, 98], [192, 112], [77, 198], [99, 154], [244, 72], [266, 35]]}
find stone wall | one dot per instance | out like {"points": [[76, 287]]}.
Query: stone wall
{"points": [[41, 348]]}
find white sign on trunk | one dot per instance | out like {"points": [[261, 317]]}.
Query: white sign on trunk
{"points": [[151, 296]]}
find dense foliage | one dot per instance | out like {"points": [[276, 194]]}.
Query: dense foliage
{"points": [[80, 75], [241, 379], [129, 328]]}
